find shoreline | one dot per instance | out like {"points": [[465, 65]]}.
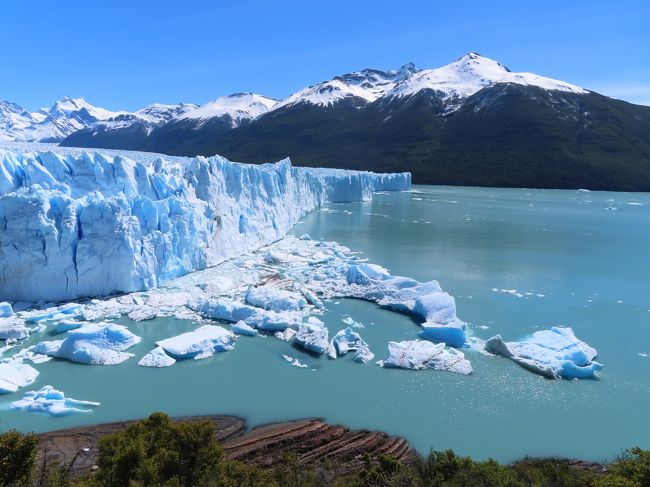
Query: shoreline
{"points": [[315, 443]]}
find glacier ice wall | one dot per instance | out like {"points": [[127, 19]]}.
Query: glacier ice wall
{"points": [[75, 224]]}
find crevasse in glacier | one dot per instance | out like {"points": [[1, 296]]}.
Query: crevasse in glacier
{"points": [[75, 223]]}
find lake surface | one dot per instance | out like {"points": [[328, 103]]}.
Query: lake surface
{"points": [[569, 258]]}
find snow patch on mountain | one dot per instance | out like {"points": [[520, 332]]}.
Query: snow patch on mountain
{"points": [[470, 74], [52, 124], [236, 107], [367, 85]]}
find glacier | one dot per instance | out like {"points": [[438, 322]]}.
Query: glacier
{"points": [[78, 224]]}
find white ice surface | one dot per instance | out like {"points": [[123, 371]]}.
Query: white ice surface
{"points": [[14, 375], [203, 342], [93, 344], [75, 224], [157, 358], [50, 401], [422, 354], [554, 353]]}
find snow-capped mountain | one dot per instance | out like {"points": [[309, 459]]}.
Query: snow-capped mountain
{"points": [[148, 117], [53, 124], [473, 121], [366, 86], [471, 73], [451, 84], [236, 108]]}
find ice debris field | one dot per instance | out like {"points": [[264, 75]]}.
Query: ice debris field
{"points": [[88, 238]]}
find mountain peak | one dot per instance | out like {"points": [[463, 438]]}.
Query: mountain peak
{"points": [[469, 74], [237, 106]]}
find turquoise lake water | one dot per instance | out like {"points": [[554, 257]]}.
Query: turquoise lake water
{"points": [[578, 259]]}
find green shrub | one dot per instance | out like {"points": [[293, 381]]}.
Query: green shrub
{"points": [[159, 452], [17, 458]]}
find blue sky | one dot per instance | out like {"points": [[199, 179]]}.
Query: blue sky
{"points": [[126, 54]]}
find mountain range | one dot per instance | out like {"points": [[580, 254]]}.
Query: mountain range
{"points": [[471, 122]]}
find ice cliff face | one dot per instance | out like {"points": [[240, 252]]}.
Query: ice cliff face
{"points": [[76, 224]]}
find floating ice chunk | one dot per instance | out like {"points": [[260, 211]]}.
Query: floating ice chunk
{"points": [[274, 299], [313, 336], [350, 322], [200, 343], [348, 340], [226, 309], [295, 362], [437, 307], [157, 358], [14, 375], [5, 310], [286, 335], [10, 330], [241, 328], [420, 354], [143, 313], [312, 298], [63, 312], [50, 401], [230, 310], [453, 334], [94, 344], [67, 325], [554, 353], [363, 354], [441, 325]]}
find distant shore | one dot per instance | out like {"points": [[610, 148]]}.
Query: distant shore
{"points": [[313, 441]]}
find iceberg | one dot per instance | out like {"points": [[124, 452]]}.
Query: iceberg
{"points": [[143, 313], [14, 375], [56, 313], [348, 340], [295, 362], [67, 325], [5, 310], [157, 358], [50, 401], [312, 336], [554, 353], [77, 224], [421, 354], [10, 330], [241, 328], [228, 309], [93, 344], [286, 335], [203, 342]]}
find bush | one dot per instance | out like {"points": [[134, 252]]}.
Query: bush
{"points": [[159, 452], [17, 458]]}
